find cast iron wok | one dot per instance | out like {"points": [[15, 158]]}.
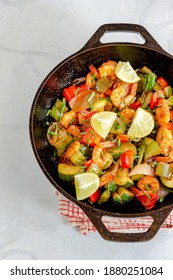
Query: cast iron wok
{"points": [[94, 52]]}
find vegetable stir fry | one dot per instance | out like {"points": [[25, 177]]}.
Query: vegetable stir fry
{"points": [[113, 135]]}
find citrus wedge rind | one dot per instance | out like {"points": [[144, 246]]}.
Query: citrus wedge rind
{"points": [[125, 72], [86, 184], [142, 124], [102, 122]]}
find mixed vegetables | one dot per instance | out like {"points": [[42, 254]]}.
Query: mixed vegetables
{"points": [[115, 123]]}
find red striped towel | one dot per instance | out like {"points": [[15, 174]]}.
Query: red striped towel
{"points": [[76, 217]]}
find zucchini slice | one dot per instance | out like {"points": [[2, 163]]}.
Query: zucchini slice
{"points": [[67, 172], [166, 182]]}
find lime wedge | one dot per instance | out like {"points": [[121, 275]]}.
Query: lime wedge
{"points": [[86, 184], [126, 73], [142, 124], [102, 122]]}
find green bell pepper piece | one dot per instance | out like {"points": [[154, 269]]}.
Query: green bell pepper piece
{"points": [[55, 112], [163, 169], [103, 84], [151, 78], [152, 149]]}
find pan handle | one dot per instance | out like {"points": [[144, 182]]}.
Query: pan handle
{"points": [[150, 42], [158, 216]]}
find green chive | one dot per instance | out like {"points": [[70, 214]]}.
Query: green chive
{"points": [[147, 195], [48, 112], [161, 199], [62, 108], [106, 165], [76, 91], [88, 141], [119, 143], [72, 120], [94, 78], [51, 133], [89, 100], [154, 163], [147, 187]]}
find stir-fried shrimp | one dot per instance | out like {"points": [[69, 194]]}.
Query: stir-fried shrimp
{"points": [[127, 115], [149, 183], [100, 131], [73, 130], [109, 175], [166, 148], [107, 69], [90, 81], [162, 113], [165, 139], [72, 150], [101, 158], [117, 97], [130, 97], [68, 118], [164, 133]]}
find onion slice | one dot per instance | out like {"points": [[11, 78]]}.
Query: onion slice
{"points": [[143, 168], [81, 100]]}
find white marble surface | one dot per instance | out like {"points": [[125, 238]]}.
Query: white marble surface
{"points": [[35, 35]]}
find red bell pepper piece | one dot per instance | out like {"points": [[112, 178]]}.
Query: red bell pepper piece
{"points": [[127, 159], [147, 198], [135, 105], [153, 100], [95, 196], [69, 92], [88, 163], [156, 100], [82, 88], [162, 82]]}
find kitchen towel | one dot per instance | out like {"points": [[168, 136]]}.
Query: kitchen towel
{"points": [[76, 217]]}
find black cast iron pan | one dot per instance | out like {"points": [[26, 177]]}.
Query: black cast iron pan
{"points": [[94, 52]]}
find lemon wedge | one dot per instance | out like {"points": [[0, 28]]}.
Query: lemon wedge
{"points": [[125, 72], [86, 184], [102, 122], [142, 124]]}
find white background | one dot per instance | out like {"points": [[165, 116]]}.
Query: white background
{"points": [[35, 35]]}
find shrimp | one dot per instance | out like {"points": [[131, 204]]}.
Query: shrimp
{"points": [[165, 139], [68, 118], [117, 97], [164, 133], [110, 174], [107, 69], [71, 151], [127, 115], [149, 183], [130, 97], [90, 81], [166, 148], [103, 160], [73, 130], [162, 113]]}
